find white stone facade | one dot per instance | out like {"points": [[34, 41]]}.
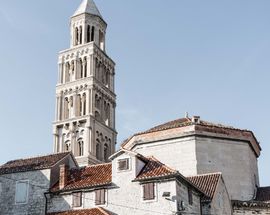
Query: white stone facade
{"points": [[85, 98], [191, 154], [125, 196]]}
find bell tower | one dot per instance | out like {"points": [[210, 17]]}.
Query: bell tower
{"points": [[85, 98]]}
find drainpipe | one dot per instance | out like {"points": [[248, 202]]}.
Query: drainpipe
{"points": [[46, 203]]}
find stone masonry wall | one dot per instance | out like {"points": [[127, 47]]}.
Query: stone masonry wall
{"points": [[38, 185]]}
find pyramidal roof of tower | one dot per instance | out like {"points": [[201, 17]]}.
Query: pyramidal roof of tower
{"points": [[87, 6]]}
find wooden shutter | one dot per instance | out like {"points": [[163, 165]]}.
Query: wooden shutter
{"points": [[149, 191], [97, 197], [123, 164], [77, 199], [100, 197]]}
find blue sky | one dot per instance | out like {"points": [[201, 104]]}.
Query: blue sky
{"points": [[210, 58]]}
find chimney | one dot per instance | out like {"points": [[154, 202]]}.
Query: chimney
{"points": [[196, 119], [63, 176]]}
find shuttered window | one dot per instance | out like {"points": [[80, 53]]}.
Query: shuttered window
{"points": [[190, 196], [149, 191], [77, 199], [100, 197], [123, 164], [21, 196]]}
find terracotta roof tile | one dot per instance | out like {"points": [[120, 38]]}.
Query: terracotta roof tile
{"points": [[86, 177], [207, 183], [92, 211], [154, 169], [30, 164], [263, 194], [205, 126]]}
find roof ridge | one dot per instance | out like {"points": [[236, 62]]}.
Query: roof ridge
{"points": [[38, 156], [205, 174], [100, 164]]}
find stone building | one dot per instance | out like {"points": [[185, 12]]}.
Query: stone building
{"points": [[131, 184], [25, 182], [85, 98], [185, 166], [198, 147]]}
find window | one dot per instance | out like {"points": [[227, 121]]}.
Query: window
{"points": [[77, 200], [80, 148], [88, 33], [149, 191], [100, 197], [123, 164], [21, 196], [92, 34], [190, 196]]}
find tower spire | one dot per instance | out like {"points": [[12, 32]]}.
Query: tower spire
{"points": [[87, 6]]}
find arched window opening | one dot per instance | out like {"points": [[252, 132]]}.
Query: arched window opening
{"points": [[70, 106], [85, 67], [108, 115], [84, 104], [93, 33], [98, 147], [67, 146], [101, 40], [80, 148], [96, 101], [80, 72], [67, 73], [79, 105], [103, 74], [76, 36], [80, 34], [88, 33], [107, 79], [66, 109], [106, 152]]}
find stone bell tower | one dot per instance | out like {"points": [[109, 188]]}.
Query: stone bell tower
{"points": [[85, 98]]}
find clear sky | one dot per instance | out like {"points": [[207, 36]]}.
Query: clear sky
{"points": [[210, 58]]}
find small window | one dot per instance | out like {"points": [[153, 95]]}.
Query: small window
{"points": [[190, 196], [123, 164], [77, 200], [21, 192], [149, 191], [100, 197]]}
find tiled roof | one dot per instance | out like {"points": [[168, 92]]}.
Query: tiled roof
{"points": [[203, 126], [92, 211], [207, 183], [30, 164], [86, 177], [155, 169], [263, 194]]}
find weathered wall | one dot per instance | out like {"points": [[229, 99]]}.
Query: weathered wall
{"points": [[221, 203], [234, 159], [38, 184], [179, 154]]}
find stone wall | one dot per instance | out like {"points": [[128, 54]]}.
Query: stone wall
{"points": [[236, 161], [39, 182]]}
